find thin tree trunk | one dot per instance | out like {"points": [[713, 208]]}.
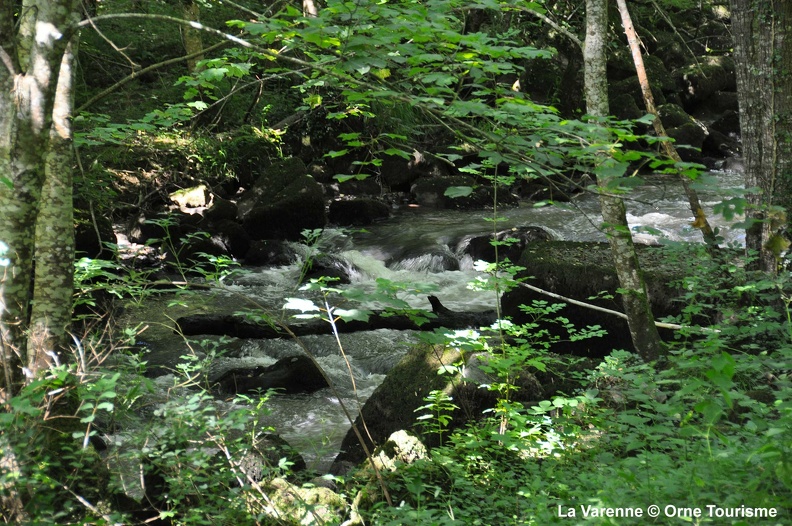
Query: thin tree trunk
{"points": [[635, 299], [763, 61], [699, 217], [193, 43]]}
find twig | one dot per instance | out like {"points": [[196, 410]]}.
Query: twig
{"points": [[681, 38], [138, 72], [662, 325], [571, 36], [112, 44]]}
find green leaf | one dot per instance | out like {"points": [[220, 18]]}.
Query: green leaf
{"points": [[352, 314], [300, 304], [458, 191]]}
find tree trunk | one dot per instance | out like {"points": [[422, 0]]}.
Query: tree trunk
{"points": [[29, 64], [699, 217], [51, 312], [762, 31], [193, 44], [636, 303]]}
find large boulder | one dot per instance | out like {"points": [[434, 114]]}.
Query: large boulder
{"points": [[700, 82], [225, 238], [673, 115], [283, 202], [220, 210], [689, 139], [583, 271], [357, 212], [308, 505], [270, 252], [392, 405], [430, 192]]}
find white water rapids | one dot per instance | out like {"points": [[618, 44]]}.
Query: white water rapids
{"points": [[412, 247]]}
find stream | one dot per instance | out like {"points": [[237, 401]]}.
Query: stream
{"points": [[413, 247]]}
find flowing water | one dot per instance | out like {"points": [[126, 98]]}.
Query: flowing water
{"points": [[417, 246]]}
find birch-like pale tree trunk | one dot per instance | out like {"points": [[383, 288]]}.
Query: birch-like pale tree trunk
{"points": [[640, 320], [762, 31], [31, 54], [699, 217]]}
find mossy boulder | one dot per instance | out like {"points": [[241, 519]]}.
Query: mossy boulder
{"points": [[673, 115], [283, 202], [357, 212], [689, 139], [392, 405], [700, 82], [292, 504], [431, 192], [585, 270]]}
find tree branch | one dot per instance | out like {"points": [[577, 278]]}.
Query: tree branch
{"points": [[137, 73], [660, 324], [544, 18]]}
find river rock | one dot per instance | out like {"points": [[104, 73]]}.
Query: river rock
{"points": [[580, 271], [295, 374], [270, 252], [430, 192], [193, 197], [392, 405], [226, 238], [673, 115], [480, 247], [699, 82], [328, 266], [357, 212], [292, 504], [689, 138], [221, 209], [283, 202], [728, 122]]}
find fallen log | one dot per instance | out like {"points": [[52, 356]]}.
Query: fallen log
{"points": [[239, 327]]}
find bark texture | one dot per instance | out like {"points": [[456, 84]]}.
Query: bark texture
{"points": [[30, 60], [54, 248], [636, 303], [193, 43], [762, 31]]}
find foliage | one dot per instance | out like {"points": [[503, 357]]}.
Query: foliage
{"points": [[711, 425]]}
